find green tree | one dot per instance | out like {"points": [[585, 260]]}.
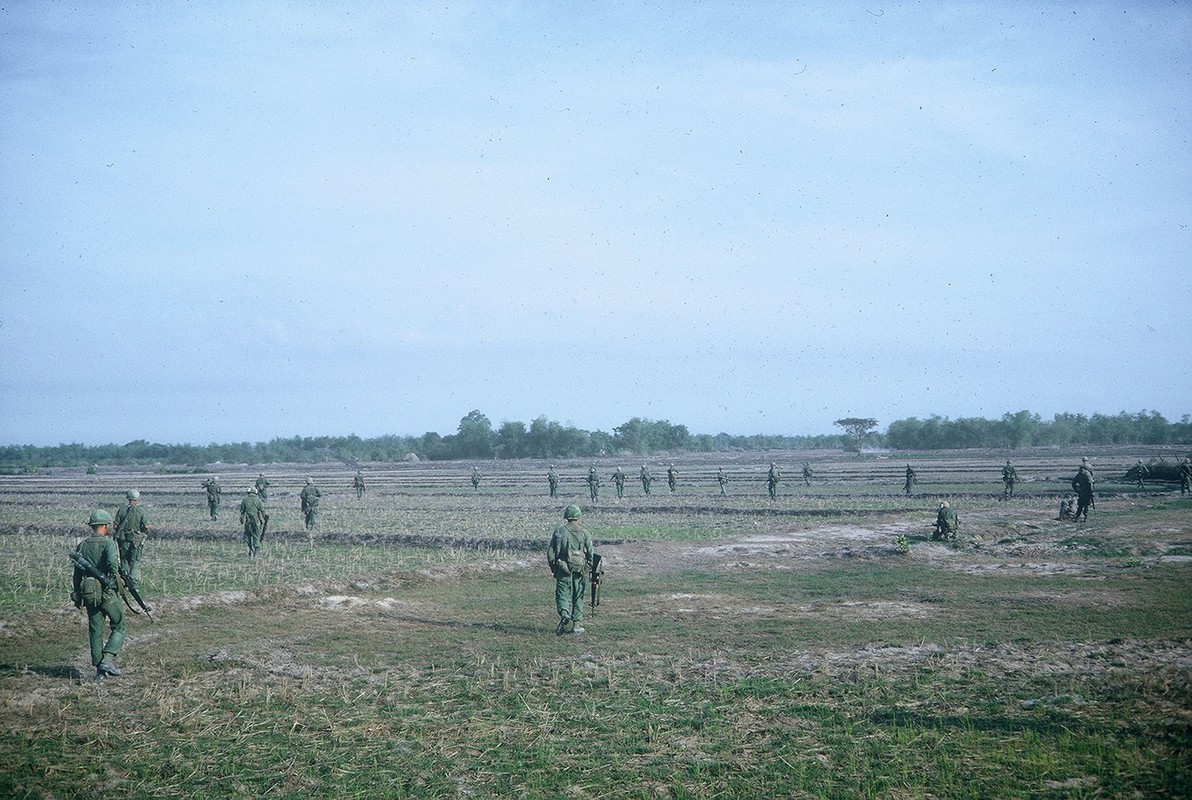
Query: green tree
{"points": [[856, 429]]}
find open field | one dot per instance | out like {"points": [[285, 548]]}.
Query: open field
{"points": [[744, 647]]}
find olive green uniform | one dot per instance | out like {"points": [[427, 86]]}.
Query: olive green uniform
{"points": [[309, 497], [807, 473], [647, 479], [772, 479], [911, 479], [100, 604], [722, 479], [358, 484], [619, 482], [131, 530], [568, 555], [672, 478], [552, 481], [946, 523], [593, 484], [262, 485], [1082, 484], [213, 492], [1009, 478], [476, 479], [1185, 476], [252, 516]]}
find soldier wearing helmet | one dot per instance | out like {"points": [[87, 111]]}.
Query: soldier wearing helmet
{"points": [[252, 517], [647, 479], [672, 478], [946, 522], [262, 486], [552, 480], [569, 556], [1009, 478], [132, 529], [213, 492], [309, 498], [101, 604]]}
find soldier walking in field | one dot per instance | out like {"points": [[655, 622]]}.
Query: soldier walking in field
{"points": [[132, 529], [911, 479], [309, 498], [358, 484], [569, 556], [1082, 484], [252, 517], [772, 479], [807, 473], [672, 478], [262, 485], [213, 492], [593, 483], [476, 478], [1009, 478], [1185, 476], [102, 603], [722, 480], [647, 479], [552, 481], [619, 482]]}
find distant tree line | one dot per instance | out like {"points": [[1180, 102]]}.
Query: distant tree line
{"points": [[1024, 429], [475, 438]]}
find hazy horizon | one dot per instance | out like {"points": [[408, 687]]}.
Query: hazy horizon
{"points": [[235, 222]]}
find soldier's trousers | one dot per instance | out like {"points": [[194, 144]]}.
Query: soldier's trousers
{"points": [[111, 611], [569, 595]]}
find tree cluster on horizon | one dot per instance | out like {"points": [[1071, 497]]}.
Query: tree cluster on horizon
{"points": [[476, 438]]}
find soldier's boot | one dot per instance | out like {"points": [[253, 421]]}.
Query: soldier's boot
{"points": [[577, 630], [106, 667], [562, 626]]}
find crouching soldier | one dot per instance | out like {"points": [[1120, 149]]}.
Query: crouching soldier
{"points": [[946, 522], [99, 596], [569, 556]]}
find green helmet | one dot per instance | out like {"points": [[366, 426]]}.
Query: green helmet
{"points": [[133, 494], [99, 517], [571, 512]]}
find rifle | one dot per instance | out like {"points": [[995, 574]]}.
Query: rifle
{"points": [[82, 562], [131, 585], [596, 577]]}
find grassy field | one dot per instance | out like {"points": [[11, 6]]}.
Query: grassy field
{"points": [[744, 647]]}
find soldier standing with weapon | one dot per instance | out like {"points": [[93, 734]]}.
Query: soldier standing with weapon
{"points": [[569, 557], [96, 589], [213, 491], [254, 519], [132, 529]]}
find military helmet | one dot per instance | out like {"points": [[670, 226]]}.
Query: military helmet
{"points": [[571, 512], [99, 517], [945, 504], [133, 494], [309, 481], [252, 490]]}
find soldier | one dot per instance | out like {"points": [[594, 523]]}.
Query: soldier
{"points": [[647, 479], [593, 483], [213, 491], [619, 482], [309, 497], [772, 479], [262, 485], [132, 529], [1140, 472], [672, 477], [358, 484], [911, 479], [1009, 478], [946, 522], [252, 517], [1082, 484], [476, 478], [1068, 508], [569, 556], [807, 473], [100, 602], [722, 479], [1185, 476], [552, 480]]}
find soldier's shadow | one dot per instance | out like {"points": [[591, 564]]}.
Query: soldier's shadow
{"points": [[68, 671]]}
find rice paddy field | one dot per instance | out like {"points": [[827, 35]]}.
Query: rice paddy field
{"points": [[816, 645]]}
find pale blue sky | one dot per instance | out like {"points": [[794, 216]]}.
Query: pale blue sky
{"points": [[235, 221]]}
